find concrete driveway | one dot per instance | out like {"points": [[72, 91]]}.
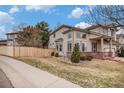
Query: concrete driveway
{"points": [[23, 75]]}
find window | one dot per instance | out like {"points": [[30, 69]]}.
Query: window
{"points": [[78, 45], [54, 35], [60, 47], [112, 33], [84, 36], [83, 47], [69, 46], [57, 47], [94, 46], [78, 35], [69, 35]]}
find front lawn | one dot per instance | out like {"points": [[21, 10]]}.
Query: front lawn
{"points": [[95, 73]]}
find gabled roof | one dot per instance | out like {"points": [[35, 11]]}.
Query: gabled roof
{"points": [[75, 28], [3, 42], [12, 33], [60, 28]]}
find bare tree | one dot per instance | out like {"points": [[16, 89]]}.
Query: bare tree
{"points": [[105, 15], [36, 36]]}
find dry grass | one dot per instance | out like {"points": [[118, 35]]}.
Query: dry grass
{"points": [[95, 73]]}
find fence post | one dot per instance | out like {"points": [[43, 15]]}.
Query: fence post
{"points": [[13, 50], [19, 51]]}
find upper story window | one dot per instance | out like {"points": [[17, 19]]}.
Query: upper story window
{"points": [[69, 35], [83, 35], [78, 34], [54, 35], [16, 36], [10, 36], [112, 33]]}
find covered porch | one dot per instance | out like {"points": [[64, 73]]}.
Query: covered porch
{"points": [[103, 44], [101, 47]]}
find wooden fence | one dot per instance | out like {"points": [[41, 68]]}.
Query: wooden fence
{"points": [[25, 51]]}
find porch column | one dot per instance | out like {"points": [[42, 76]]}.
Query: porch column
{"points": [[111, 45], [115, 37], [102, 45]]}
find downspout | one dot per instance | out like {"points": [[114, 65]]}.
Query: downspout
{"points": [[73, 40]]}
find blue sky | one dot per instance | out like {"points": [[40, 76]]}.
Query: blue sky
{"points": [[11, 16]]}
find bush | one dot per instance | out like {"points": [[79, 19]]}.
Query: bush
{"points": [[121, 52], [89, 58], [57, 55], [75, 56], [83, 58], [52, 54]]}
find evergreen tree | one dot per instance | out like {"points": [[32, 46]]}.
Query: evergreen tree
{"points": [[75, 57], [121, 52], [43, 31]]}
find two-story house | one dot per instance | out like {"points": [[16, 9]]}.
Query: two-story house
{"points": [[11, 38], [95, 40], [120, 38], [3, 42]]}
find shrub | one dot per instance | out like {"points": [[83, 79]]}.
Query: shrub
{"points": [[52, 54], [89, 58], [75, 56], [121, 52], [83, 58], [57, 55]]}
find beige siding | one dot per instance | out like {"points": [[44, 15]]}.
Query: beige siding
{"points": [[58, 34], [101, 31]]}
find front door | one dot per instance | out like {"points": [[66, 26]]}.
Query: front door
{"points": [[94, 46], [59, 48]]}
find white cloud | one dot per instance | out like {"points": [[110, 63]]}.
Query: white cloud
{"points": [[2, 28], [44, 8], [82, 25], [77, 13], [14, 9], [5, 18]]}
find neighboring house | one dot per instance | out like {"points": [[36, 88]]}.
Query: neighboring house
{"points": [[94, 40], [11, 38], [120, 38], [3, 42]]}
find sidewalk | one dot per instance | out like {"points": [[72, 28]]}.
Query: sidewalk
{"points": [[23, 75], [4, 81]]}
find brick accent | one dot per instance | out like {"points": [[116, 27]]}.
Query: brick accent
{"points": [[98, 55]]}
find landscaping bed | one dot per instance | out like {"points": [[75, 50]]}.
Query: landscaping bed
{"points": [[95, 73]]}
